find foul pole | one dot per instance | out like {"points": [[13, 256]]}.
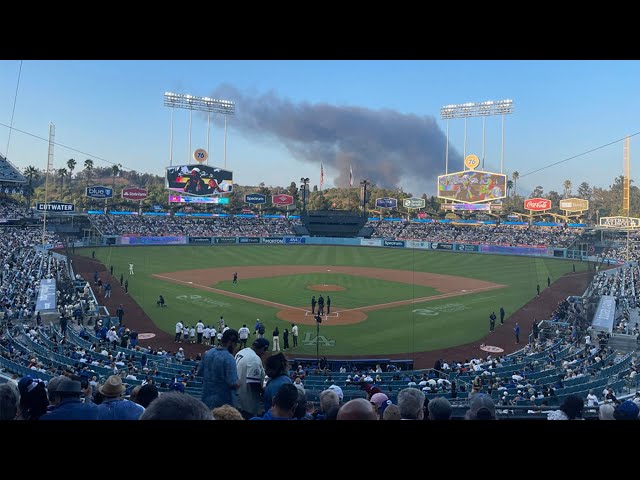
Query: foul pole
{"points": [[52, 136]]}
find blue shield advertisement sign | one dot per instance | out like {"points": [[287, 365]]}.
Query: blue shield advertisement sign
{"points": [[386, 202], [255, 198], [99, 191]]}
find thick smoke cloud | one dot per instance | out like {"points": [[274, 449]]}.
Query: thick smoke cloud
{"points": [[383, 146]]}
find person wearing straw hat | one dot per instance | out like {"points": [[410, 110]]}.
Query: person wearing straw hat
{"points": [[115, 406]]}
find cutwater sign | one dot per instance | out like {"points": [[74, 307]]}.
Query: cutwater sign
{"points": [[99, 191], [55, 207], [255, 198]]}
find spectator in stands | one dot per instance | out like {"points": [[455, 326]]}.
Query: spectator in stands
{"points": [[115, 406], [357, 409], [226, 412], [411, 404], [440, 409], [251, 375], [283, 405], [627, 410], [68, 405], [176, 406], [571, 409], [147, 394], [33, 398], [328, 400], [338, 391], [481, 407], [606, 412], [9, 401], [276, 368], [392, 412], [219, 372]]}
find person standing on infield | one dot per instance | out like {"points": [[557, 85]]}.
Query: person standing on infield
{"points": [[492, 322], [501, 315], [131, 269], [320, 305], [516, 330], [235, 278], [313, 305], [328, 304], [294, 332], [538, 288]]}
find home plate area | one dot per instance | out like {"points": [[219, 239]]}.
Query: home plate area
{"points": [[307, 313]]}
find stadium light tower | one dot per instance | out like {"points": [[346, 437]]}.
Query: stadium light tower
{"points": [[202, 104], [304, 186], [482, 109]]}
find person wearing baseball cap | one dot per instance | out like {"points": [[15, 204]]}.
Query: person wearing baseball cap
{"points": [[251, 377]]}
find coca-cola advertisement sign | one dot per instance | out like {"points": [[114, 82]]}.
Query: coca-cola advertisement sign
{"points": [[537, 204], [132, 193]]}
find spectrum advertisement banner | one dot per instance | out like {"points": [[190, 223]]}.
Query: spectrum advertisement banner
{"points": [[273, 240], [295, 240], [467, 248], [393, 243], [153, 240], [248, 239], [225, 240], [200, 240]]}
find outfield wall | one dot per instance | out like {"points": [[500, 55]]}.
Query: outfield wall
{"points": [[522, 250]]}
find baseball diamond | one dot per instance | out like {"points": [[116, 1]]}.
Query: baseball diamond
{"points": [[379, 312]]}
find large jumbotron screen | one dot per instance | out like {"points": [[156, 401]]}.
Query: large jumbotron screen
{"points": [[472, 186], [200, 180]]}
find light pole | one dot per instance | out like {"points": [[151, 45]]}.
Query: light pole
{"points": [[304, 186], [471, 109], [202, 104], [363, 195], [318, 322]]}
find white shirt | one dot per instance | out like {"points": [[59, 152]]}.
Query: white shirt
{"points": [[200, 327], [294, 331], [244, 333], [179, 327], [592, 400], [206, 332], [250, 370]]}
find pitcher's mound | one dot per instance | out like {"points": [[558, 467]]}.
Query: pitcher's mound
{"points": [[325, 288]]}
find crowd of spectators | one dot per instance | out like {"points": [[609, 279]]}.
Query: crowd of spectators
{"points": [[144, 225], [499, 234]]}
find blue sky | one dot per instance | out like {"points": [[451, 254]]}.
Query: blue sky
{"points": [[114, 110]]}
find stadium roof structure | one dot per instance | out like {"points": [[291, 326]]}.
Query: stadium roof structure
{"points": [[9, 173]]}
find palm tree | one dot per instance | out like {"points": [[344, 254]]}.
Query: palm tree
{"points": [[567, 188], [509, 187], [515, 175], [115, 170], [31, 172], [61, 173], [88, 166], [71, 165]]}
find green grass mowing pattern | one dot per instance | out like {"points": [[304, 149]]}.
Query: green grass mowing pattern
{"points": [[394, 330], [360, 291]]}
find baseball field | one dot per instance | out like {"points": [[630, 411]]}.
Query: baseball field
{"points": [[383, 301]]}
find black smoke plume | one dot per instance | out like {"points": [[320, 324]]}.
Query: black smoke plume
{"points": [[383, 146]]}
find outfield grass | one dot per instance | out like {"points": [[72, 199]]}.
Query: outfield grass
{"points": [[419, 327]]}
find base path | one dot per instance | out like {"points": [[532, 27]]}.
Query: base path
{"points": [[447, 285]]}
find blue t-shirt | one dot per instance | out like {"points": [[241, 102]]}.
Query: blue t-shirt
{"points": [[272, 387], [219, 372]]}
